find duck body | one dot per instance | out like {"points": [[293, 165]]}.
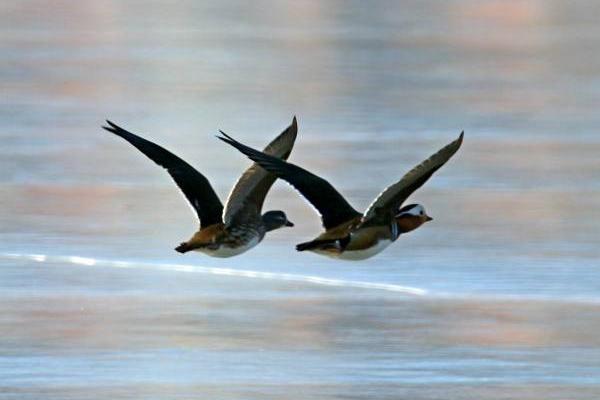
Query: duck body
{"points": [[222, 240], [218, 240], [355, 241], [357, 248]]}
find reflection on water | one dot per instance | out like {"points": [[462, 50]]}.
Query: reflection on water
{"points": [[91, 332], [497, 299]]}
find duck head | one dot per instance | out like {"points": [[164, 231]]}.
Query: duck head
{"points": [[411, 217], [275, 220]]}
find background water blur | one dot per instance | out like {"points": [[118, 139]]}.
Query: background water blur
{"points": [[95, 303]]}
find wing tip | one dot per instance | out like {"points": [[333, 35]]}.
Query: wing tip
{"points": [[242, 148], [113, 128], [224, 134], [293, 130], [458, 142], [226, 138]]}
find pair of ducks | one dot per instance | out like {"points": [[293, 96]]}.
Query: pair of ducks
{"points": [[229, 230]]}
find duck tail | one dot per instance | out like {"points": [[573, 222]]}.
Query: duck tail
{"points": [[313, 244], [183, 248], [305, 246]]}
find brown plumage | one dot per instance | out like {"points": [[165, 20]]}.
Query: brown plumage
{"points": [[348, 233], [237, 227]]}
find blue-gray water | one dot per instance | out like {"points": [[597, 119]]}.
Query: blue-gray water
{"points": [[497, 298]]}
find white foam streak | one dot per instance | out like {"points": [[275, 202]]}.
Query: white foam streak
{"points": [[316, 280], [81, 260]]}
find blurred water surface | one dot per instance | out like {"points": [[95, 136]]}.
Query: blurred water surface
{"points": [[498, 298]]}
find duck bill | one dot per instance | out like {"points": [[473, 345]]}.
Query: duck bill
{"points": [[428, 218], [288, 223]]}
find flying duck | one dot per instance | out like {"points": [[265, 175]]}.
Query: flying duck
{"points": [[350, 235], [238, 226]]}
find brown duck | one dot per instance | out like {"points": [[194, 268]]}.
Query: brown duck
{"points": [[349, 234], [237, 227]]}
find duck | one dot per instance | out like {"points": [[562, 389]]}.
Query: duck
{"points": [[230, 230], [349, 234]]}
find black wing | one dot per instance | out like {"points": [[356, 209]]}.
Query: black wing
{"points": [[332, 206], [192, 183]]}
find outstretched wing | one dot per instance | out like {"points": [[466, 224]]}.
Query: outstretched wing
{"points": [[192, 183], [248, 195], [394, 195], [332, 206]]}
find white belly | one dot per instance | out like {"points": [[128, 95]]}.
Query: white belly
{"points": [[366, 253], [357, 254], [226, 251]]}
